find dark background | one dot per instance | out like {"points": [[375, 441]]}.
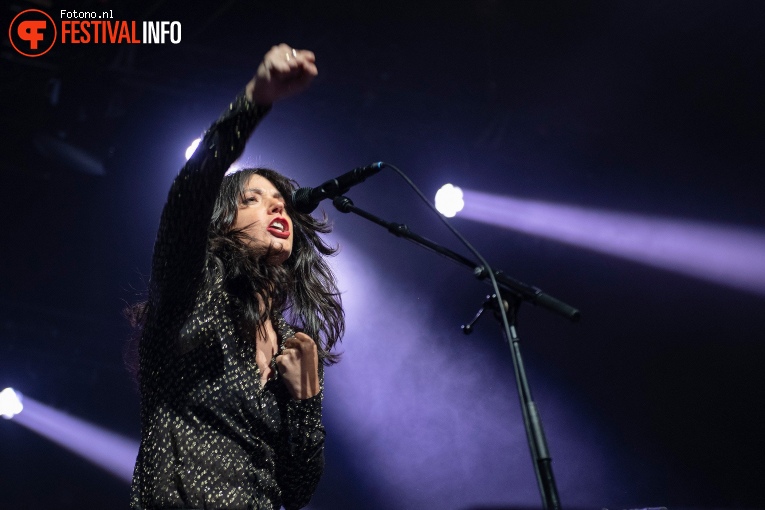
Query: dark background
{"points": [[648, 107]]}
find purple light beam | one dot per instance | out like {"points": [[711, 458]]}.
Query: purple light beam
{"points": [[433, 419], [724, 254], [112, 452]]}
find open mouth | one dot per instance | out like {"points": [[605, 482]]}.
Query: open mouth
{"points": [[280, 228]]}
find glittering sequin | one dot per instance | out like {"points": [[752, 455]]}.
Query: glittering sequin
{"points": [[212, 437]]}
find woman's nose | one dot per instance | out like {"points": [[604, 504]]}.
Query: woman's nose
{"points": [[277, 205]]}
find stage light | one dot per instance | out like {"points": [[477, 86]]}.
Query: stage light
{"points": [[112, 452], [191, 148], [449, 200], [10, 403], [725, 254]]}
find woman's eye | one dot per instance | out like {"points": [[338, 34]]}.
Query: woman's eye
{"points": [[248, 200]]}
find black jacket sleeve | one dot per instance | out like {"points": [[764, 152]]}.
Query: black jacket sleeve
{"points": [[301, 457], [180, 249]]}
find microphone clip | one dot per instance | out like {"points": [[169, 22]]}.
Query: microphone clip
{"points": [[489, 304]]}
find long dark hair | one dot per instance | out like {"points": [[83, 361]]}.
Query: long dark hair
{"points": [[303, 288]]}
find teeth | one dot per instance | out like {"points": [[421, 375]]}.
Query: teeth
{"points": [[278, 226]]}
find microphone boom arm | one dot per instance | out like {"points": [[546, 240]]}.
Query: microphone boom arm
{"points": [[519, 289]]}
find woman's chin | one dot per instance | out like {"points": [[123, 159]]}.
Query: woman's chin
{"points": [[273, 255], [277, 256]]}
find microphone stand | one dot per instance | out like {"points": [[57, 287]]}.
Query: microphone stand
{"points": [[519, 292]]}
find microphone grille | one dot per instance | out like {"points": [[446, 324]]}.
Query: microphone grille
{"points": [[301, 200]]}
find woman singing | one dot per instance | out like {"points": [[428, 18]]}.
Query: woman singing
{"points": [[242, 314]]}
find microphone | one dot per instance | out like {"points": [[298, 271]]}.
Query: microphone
{"points": [[306, 200]]}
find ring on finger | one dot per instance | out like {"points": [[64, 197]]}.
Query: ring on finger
{"points": [[294, 53], [287, 56]]}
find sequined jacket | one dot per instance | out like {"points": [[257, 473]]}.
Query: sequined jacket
{"points": [[212, 437]]}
